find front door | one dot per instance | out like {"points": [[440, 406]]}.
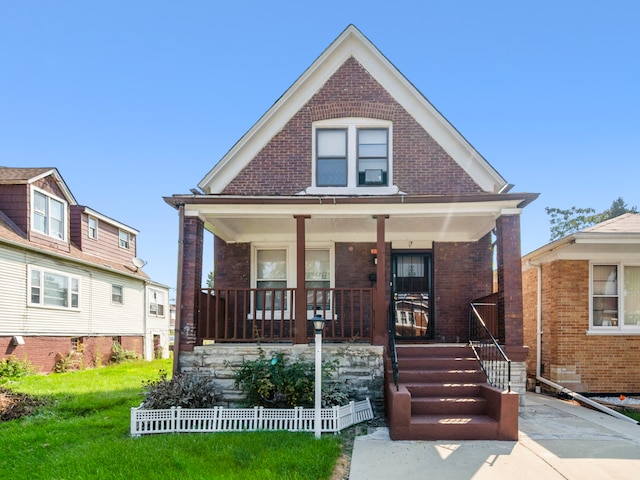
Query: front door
{"points": [[412, 295]]}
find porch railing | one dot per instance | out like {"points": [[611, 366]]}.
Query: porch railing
{"points": [[495, 363], [268, 315]]}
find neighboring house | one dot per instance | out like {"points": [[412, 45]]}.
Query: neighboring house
{"points": [[582, 308], [352, 198], [71, 279]]}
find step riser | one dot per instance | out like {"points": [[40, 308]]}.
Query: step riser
{"points": [[440, 390], [455, 432], [443, 377], [437, 364], [444, 406]]}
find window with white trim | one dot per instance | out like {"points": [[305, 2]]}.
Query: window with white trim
{"points": [[92, 228], [124, 239], [117, 295], [49, 288], [271, 274], [156, 303], [48, 215], [615, 297], [352, 153], [317, 275]]}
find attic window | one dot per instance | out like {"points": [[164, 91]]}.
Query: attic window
{"points": [[48, 215], [352, 153]]}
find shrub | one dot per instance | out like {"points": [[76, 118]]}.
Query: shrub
{"points": [[70, 361], [188, 390], [12, 368], [120, 355], [278, 382]]}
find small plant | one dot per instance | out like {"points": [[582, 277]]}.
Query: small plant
{"points": [[187, 390], [12, 368], [278, 382], [70, 361], [120, 355]]}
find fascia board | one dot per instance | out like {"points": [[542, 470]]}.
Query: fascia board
{"points": [[63, 186], [110, 221], [352, 43], [608, 238]]}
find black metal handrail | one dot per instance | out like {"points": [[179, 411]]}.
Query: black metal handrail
{"points": [[494, 361], [393, 351]]}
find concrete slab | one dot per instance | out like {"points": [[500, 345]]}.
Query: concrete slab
{"points": [[557, 440]]}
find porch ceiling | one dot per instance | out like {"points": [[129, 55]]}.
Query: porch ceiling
{"points": [[409, 220]]}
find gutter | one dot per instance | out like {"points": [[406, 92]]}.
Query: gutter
{"points": [[560, 388]]}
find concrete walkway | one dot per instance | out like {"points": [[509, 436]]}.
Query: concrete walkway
{"points": [[558, 440]]}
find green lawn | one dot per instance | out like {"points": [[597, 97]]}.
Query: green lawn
{"points": [[83, 433]]}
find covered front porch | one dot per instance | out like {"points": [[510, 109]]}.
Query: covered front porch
{"points": [[473, 242]]}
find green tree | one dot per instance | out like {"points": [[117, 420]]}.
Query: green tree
{"points": [[565, 222], [210, 280]]}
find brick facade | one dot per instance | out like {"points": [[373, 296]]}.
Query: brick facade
{"points": [[42, 352], [570, 357], [283, 167]]}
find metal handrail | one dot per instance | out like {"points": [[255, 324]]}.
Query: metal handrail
{"points": [[393, 351], [493, 360]]}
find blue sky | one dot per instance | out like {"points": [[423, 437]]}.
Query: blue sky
{"points": [[135, 100]]}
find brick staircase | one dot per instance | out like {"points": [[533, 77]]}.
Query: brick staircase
{"points": [[444, 395]]}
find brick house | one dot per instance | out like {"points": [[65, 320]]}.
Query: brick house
{"points": [[71, 279], [352, 198], [581, 299]]}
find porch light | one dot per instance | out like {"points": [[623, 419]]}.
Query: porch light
{"points": [[318, 325]]}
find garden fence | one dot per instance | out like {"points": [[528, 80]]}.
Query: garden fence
{"points": [[221, 419]]}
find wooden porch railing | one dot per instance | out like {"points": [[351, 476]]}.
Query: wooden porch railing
{"points": [[268, 315]]}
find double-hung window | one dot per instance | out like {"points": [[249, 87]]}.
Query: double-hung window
{"points": [[352, 153], [156, 303], [92, 228], [271, 275], [124, 239], [49, 288], [48, 215], [117, 295], [615, 297], [317, 274]]}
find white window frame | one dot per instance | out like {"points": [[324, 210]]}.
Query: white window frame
{"points": [[153, 300], [47, 215], [92, 231], [290, 256], [352, 125], [621, 328], [122, 243], [70, 291], [113, 295]]}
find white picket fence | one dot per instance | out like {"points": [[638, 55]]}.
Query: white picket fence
{"points": [[221, 419]]}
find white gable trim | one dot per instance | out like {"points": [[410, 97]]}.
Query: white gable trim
{"points": [[351, 43]]}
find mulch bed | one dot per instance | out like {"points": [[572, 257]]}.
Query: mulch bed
{"points": [[16, 405]]}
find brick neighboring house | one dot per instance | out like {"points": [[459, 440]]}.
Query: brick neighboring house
{"points": [[582, 293], [71, 280], [353, 198]]}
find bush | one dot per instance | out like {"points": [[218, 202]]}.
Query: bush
{"points": [[278, 382], [120, 355], [12, 368], [187, 390]]}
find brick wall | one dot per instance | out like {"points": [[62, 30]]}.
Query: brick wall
{"points": [[420, 165], [463, 272], [43, 352], [232, 264], [570, 357]]}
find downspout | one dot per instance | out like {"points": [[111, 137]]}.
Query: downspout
{"points": [[177, 326], [557, 386]]}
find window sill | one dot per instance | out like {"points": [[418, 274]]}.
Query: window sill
{"points": [[613, 332], [392, 190]]}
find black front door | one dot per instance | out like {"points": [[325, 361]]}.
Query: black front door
{"points": [[412, 295]]}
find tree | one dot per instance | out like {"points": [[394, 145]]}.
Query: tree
{"points": [[564, 222], [210, 280]]}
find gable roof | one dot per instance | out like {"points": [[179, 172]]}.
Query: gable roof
{"points": [[616, 236], [352, 43], [21, 176]]}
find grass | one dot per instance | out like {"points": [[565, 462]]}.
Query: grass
{"points": [[83, 433]]}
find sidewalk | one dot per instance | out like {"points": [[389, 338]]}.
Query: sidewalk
{"points": [[558, 440]]}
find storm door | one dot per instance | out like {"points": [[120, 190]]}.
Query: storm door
{"points": [[412, 314]]}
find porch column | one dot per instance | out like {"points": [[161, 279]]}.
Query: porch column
{"points": [[300, 326], [189, 284], [510, 285], [381, 308]]}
